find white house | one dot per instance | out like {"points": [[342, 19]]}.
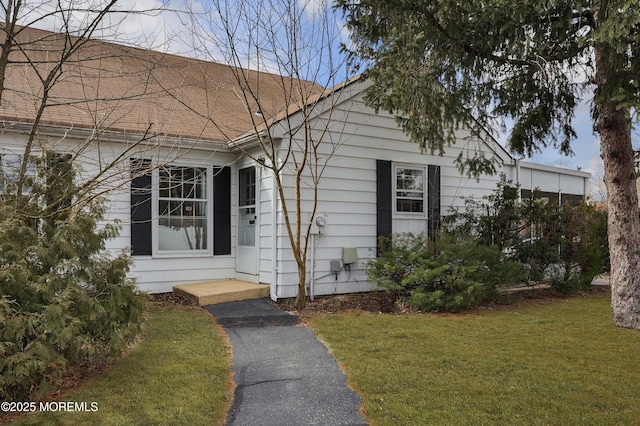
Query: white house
{"points": [[195, 199]]}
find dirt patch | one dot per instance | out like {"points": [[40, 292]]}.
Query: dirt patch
{"points": [[74, 377]]}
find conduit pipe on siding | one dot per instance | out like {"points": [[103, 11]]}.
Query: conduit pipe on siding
{"points": [[312, 282]]}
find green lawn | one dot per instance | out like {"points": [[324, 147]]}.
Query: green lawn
{"points": [[179, 374], [562, 363]]}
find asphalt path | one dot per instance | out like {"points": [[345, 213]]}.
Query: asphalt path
{"points": [[283, 374]]}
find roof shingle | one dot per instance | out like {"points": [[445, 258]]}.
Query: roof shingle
{"points": [[127, 89]]}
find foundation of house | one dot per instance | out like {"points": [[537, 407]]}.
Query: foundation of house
{"points": [[221, 291]]}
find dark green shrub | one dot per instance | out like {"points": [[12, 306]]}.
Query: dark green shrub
{"points": [[464, 275], [402, 253], [450, 274], [64, 300], [583, 249]]}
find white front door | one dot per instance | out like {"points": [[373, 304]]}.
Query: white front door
{"points": [[247, 259]]}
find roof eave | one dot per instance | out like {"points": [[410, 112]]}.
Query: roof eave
{"points": [[65, 132]]}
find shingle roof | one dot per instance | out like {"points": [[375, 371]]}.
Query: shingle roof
{"points": [[126, 89]]}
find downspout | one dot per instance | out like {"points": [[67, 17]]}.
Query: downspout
{"points": [[559, 190], [518, 180], [274, 245]]}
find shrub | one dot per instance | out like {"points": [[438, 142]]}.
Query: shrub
{"points": [[65, 300], [450, 274], [583, 249], [564, 244], [398, 258]]}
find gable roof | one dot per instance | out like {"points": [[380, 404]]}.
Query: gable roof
{"points": [[131, 90]]}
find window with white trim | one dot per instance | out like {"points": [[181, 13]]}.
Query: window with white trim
{"points": [[410, 190], [184, 220]]}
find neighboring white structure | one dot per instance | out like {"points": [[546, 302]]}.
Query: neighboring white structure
{"points": [[213, 213]]}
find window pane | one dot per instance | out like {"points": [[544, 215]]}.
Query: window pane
{"points": [[410, 179], [410, 190], [410, 206], [247, 186], [182, 208], [165, 183]]}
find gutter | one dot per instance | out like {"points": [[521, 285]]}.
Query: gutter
{"points": [[248, 141], [122, 137]]}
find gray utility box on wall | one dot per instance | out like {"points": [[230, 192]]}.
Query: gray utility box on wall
{"points": [[349, 255]]}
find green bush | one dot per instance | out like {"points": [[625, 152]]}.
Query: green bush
{"points": [[565, 244], [447, 275], [583, 249], [64, 300], [398, 258]]}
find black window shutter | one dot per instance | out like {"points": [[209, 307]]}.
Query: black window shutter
{"points": [[141, 207], [433, 199], [221, 210], [384, 201]]}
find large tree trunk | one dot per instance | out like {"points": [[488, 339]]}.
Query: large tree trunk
{"points": [[614, 127]]}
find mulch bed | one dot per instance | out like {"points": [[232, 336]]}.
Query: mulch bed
{"points": [[382, 302], [171, 298]]}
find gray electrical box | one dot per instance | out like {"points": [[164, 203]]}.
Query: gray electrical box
{"points": [[336, 266], [349, 255]]}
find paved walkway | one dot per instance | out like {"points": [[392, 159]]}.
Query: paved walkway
{"points": [[283, 374]]}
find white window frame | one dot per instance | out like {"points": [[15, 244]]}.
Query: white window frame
{"points": [[416, 215], [155, 214]]}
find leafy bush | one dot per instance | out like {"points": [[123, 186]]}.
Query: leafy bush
{"points": [[564, 244], [64, 299], [497, 241], [402, 253], [583, 250], [450, 274]]}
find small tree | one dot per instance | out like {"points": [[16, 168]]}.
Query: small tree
{"points": [[563, 243], [293, 44]]}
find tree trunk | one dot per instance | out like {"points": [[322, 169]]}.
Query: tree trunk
{"points": [[301, 298], [614, 127]]}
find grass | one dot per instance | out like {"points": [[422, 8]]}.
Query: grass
{"points": [[179, 374], [555, 364]]}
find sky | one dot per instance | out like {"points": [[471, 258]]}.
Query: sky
{"points": [[168, 28]]}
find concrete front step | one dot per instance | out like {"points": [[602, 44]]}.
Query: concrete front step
{"points": [[221, 291]]}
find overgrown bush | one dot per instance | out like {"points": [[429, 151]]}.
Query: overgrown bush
{"points": [[447, 275], [583, 250], [497, 241], [64, 299], [565, 244]]}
